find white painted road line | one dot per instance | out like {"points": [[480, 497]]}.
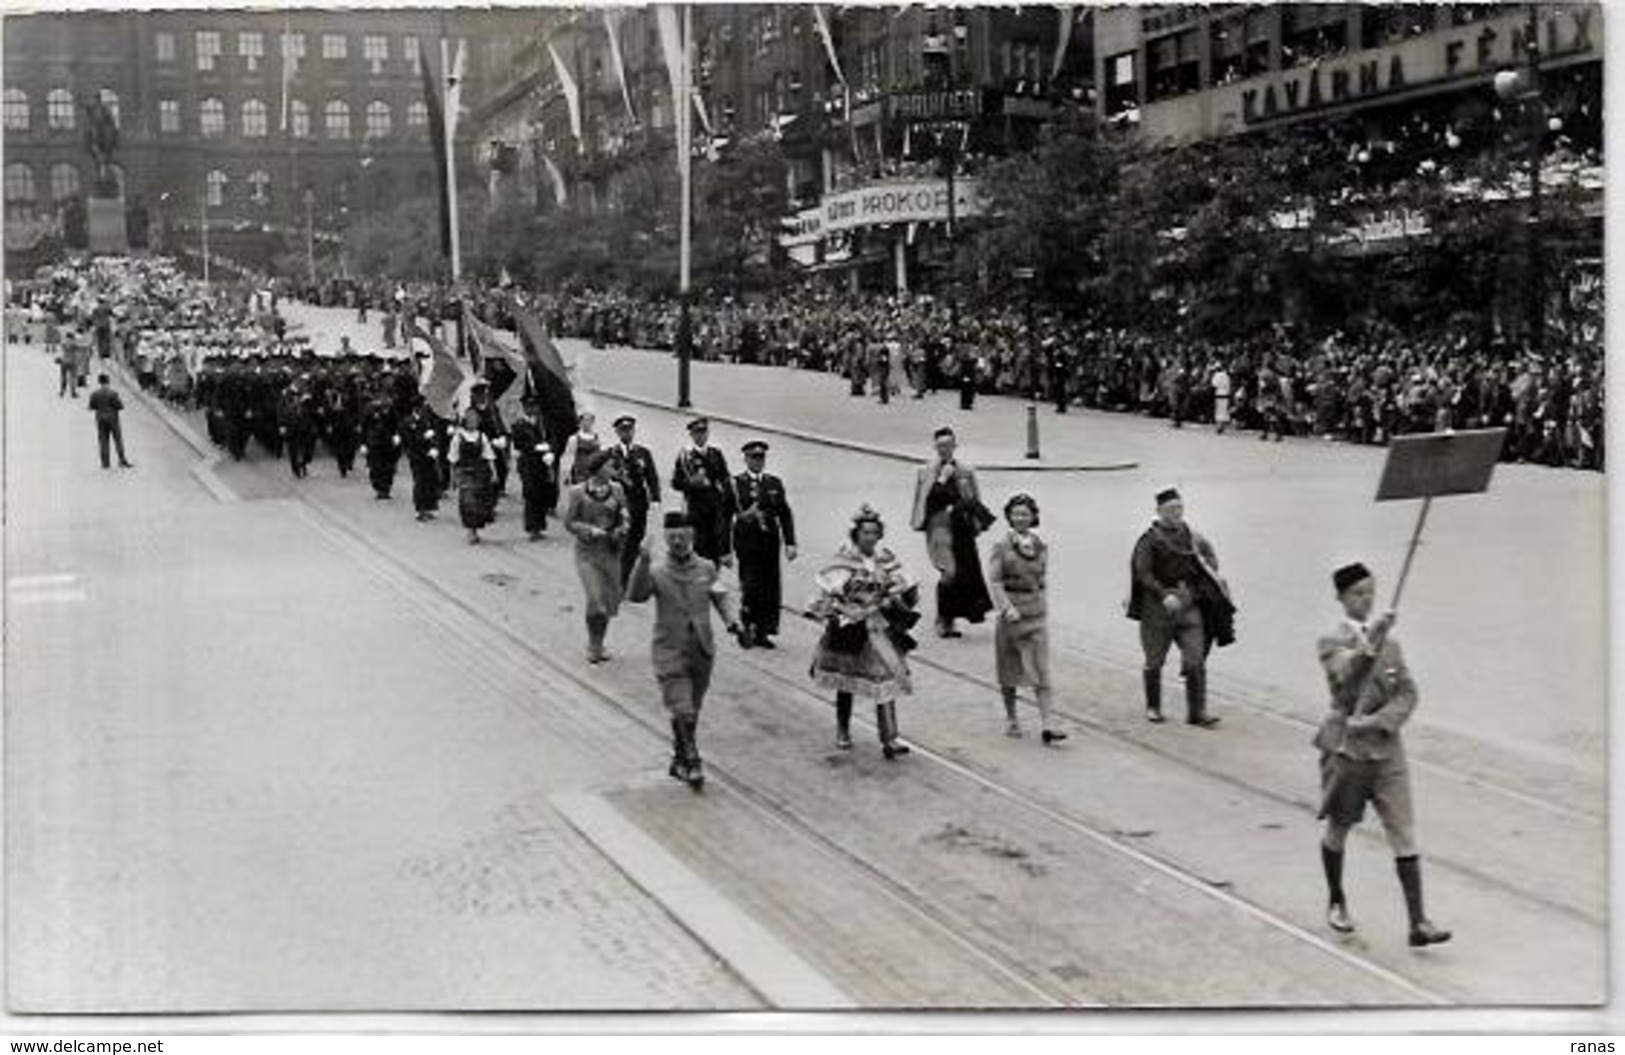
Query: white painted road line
{"points": [[26, 582], [62, 595]]}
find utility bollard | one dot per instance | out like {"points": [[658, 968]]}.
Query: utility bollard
{"points": [[1032, 430]]}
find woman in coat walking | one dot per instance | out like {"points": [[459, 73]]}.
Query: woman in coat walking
{"points": [[867, 603], [1016, 570], [473, 462], [579, 450], [596, 514]]}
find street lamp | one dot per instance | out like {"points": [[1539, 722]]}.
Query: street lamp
{"points": [[1028, 276], [1522, 87]]}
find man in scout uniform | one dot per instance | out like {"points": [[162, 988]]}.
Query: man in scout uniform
{"points": [[685, 587], [635, 468], [1178, 599], [702, 478], [762, 526], [1362, 755]]}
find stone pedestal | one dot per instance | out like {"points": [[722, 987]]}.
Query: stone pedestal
{"points": [[105, 226]]}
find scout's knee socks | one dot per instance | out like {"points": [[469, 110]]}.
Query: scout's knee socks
{"points": [[1153, 694], [843, 720], [597, 627], [1331, 861], [1423, 932], [1196, 699]]}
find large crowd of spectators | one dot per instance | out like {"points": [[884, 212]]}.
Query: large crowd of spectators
{"points": [[1361, 385]]}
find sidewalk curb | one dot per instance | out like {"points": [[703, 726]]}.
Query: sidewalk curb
{"points": [[204, 471], [769, 966], [853, 445]]}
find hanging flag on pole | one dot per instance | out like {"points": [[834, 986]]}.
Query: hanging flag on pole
{"points": [[437, 140], [612, 22], [572, 92], [671, 45], [699, 108], [454, 101], [821, 19], [287, 69], [442, 376], [1069, 17]]}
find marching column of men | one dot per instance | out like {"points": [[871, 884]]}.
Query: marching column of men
{"points": [[356, 404]]}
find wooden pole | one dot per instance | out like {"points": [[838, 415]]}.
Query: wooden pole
{"points": [[1410, 553]]}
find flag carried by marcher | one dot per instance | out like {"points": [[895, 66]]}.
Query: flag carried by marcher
{"points": [[550, 378], [507, 367], [441, 378]]}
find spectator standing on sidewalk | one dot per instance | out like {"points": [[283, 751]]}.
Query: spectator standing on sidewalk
{"points": [[106, 405]]}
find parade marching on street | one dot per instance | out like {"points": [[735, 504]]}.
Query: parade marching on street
{"points": [[441, 705]]}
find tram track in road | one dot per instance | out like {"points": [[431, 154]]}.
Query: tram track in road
{"points": [[782, 814]]}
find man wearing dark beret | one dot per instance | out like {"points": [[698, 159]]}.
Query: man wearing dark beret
{"points": [[685, 587], [1177, 597], [1362, 755]]}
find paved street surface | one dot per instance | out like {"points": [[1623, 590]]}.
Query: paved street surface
{"points": [[297, 750]]}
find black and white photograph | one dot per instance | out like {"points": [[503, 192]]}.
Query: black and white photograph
{"points": [[805, 508]]}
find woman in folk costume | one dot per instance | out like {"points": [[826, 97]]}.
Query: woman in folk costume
{"points": [[1016, 571], [867, 603], [948, 508], [579, 450], [473, 462], [595, 513]]}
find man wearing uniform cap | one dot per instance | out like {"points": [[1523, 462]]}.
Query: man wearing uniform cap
{"points": [[635, 468], [1362, 756], [534, 462], [762, 526], [702, 478], [1177, 597]]}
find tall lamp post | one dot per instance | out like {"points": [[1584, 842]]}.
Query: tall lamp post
{"points": [[684, 106], [1522, 87], [1028, 277], [203, 217], [310, 233]]}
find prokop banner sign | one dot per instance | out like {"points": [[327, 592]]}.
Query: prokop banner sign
{"points": [[912, 201]]}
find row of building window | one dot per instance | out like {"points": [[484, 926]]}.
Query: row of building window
{"points": [[61, 113], [61, 109], [20, 182], [209, 47]]}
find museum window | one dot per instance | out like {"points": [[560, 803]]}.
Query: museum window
{"points": [[375, 50], [212, 118], [260, 182], [251, 46], [59, 109], [254, 119], [110, 102], [417, 114], [378, 120], [337, 119], [293, 50], [169, 116], [299, 119], [414, 57], [335, 47], [208, 48], [16, 110], [216, 184], [19, 190], [64, 181], [164, 45]]}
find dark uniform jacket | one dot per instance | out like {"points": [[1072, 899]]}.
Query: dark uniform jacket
{"points": [[702, 478], [762, 511], [1181, 562], [639, 478]]}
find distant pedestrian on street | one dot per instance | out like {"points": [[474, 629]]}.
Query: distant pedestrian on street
{"points": [[1362, 755], [1177, 597], [867, 603], [1221, 398], [473, 462], [685, 587], [762, 529], [106, 405], [595, 513], [969, 372], [1017, 568], [948, 508]]}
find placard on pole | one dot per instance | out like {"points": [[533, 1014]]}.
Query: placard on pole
{"points": [[1435, 465]]}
